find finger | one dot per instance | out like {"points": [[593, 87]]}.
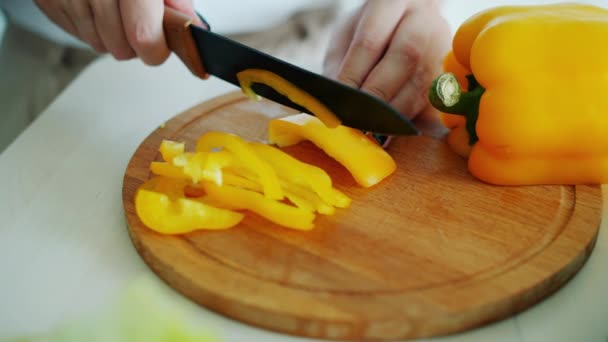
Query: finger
{"points": [[81, 15], [416, 91], [401, 58], [371, 37], [111, 30], [143, 23], [186, 7], [57, 14], [412, 98], [340, 43]]}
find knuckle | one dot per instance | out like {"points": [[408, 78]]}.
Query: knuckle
{"points": [[141, 37], [411, 52], [147, 45]]}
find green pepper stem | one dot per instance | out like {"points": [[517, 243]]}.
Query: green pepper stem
{"points": [[447, 96]]}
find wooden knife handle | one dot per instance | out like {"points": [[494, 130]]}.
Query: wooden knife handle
{"points": [[179, 39]]}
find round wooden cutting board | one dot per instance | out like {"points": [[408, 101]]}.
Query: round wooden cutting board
{"points": [[429, 251]]}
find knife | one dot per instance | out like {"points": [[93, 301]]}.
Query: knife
{"points": [[205, 52]]}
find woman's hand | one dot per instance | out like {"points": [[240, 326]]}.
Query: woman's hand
{"points": [[125, 28], [392, 49]]}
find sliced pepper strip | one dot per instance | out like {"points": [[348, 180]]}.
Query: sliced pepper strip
{"points": [[243, 178], [242, 182], [277, 212], [169, 149], [302, 174], [168, 170], [306, 199], [369, 165], [299, 201], [248, 183], [194, 166], [161, 205], [204, 165], [241, 150], [282, 86]]}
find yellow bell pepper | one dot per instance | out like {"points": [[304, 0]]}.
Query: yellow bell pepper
{"points": [[534, 112], [367, 161], [161, 205], [235, 198], [282, 86], [247, 158]]}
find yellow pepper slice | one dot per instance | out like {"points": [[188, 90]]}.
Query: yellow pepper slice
{"points": [[193, 166], [247, 182], [300, 201], [282, 86], [246, 157], [169, 149], [306, 199], [302, 174], [367, 161], [237, 198], [204, 165], [243, 178], [161, 205], [168, 170], [242, 182]]}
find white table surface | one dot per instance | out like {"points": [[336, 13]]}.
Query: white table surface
{"points": [[64, 247]]}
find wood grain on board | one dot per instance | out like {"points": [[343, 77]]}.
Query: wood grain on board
{"points": [[429, 251]]}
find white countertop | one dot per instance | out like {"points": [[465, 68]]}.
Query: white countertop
{"points": [[64, 247]]}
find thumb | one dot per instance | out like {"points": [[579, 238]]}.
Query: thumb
{"points": [[186, 7]]}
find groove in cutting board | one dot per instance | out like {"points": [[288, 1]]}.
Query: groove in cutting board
{"points": [[429, 251]]}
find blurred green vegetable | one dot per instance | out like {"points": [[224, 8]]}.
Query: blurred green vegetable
{"points": [[142, 313]]}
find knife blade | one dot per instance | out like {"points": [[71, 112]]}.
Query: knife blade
{"points": [[224, 58]]}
